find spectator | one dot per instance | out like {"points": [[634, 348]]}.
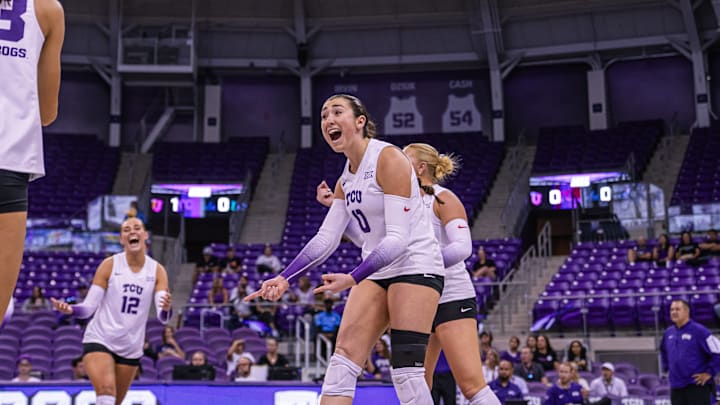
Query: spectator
{"points": [[243, 370], [640, 252], [235, 352], [303, 294], [575, 377], [199, 369], [484, 266], [379, 362], [691, 354], [486, 340], [170, 346], [687, 251], [268, 262], [272, 358], [36, 301], [328, 322], [231, 263], [531, 342], [78, 368], [240, 309], [134, 212], [664, 252], [608, 387], [207, 263], [565, 391], [490, 366], [244, 284], [512, 354], [545, 355], [502, 386], [711, 246], [444, 387], [24, 371], [148, 351], [528, 369], [577, 354], [218, 295]]}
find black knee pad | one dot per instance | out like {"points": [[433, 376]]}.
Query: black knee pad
{"points": [[408, 348]]}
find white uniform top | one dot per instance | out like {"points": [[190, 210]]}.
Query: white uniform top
{"points": [[461, 115], [119, 322], [365, 203], [21, 40], [458, 285], [403, 117]]}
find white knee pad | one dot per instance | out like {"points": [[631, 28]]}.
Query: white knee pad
{"points": [[105, 400], [485, 397], [341, 377], [410, 386]]}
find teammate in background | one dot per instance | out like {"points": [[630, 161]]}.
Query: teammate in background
{"points": [[32, 33], [400, 278], [122, 290], [455, 325]]}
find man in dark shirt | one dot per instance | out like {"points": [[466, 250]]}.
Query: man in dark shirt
{"points": [[484, 266], [272, 358], [502, 387], [230, 262], [641, 252], [711, 246], [528, 369]]}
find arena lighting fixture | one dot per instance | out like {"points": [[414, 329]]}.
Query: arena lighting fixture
{"points": [[199, 192]]}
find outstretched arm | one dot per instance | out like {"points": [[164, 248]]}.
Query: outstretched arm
{"points": [[95, 294]]}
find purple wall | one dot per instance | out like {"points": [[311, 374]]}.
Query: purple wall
{"points": [[84, 105], [545, 96], [651, 89], [262, 106]]}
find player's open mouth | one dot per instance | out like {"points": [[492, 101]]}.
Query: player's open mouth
{"points": [[134, 241], [335, 134]]}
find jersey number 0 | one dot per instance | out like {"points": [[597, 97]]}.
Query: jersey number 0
{"points": [[12, 26]]}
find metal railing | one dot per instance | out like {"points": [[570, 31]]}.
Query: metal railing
{"points": [[322, 362], [302, 341]]}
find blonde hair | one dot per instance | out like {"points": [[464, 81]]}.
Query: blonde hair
{"points": [[439, 166]]}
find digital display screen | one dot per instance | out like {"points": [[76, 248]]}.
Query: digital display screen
{"points": [[565, 197], [195, 200]]}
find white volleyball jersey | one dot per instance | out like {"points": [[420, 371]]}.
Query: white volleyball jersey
{"points": [[119, 322], [21, 41], [461, 115], [403, 117], [365, 203], [458, 285]]}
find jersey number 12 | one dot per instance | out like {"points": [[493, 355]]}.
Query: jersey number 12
{"points": [[12, 26], [130, 305]]}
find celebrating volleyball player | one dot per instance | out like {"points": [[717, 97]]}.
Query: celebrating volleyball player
{"points": [[455, 325], [120, 297], [31, 38], [400, 278]]}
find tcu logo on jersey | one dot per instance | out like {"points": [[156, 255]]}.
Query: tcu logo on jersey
{"points": [[354, 196], [134, 288]]}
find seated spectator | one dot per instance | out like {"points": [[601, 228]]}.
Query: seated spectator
{"points": [[711, 245], [575, 377], [235, 352], [218, 294], [640, 252], [664, 252], [486, 340], [577, 354], [531, 342], [267, 262], [528, 369], [170, 346], [687, 251], [608, 387], [272, 358], [198, 369], [327, 322], [512, 354], [240, 309], [207, 263], [36, 301], [303, 294], [243, 370], [490, 365], [230, 263], [78, 368], [484, 266], [565, 391], [378, 365], [545, 355], [24, 371], [502, 386]]}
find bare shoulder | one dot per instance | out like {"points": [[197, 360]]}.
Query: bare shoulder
{"points": [[451, 208], [50, 15]]}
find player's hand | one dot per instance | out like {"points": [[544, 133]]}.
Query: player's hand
{"points": [[701, 378], [324, 194], [335, 283], [62, 306], [271, 290], [166, 302]]}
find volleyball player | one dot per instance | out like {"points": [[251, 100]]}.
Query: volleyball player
{"points": [[31, 38], [455, 325], [122, 290], [400, 278]]}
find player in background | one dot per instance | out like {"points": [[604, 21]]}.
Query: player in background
{"points": [[120, 296]]}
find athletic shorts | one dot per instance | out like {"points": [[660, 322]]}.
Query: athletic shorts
{"points": [[13, 191], [453, 310], [428, 280], [97, 347]]}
